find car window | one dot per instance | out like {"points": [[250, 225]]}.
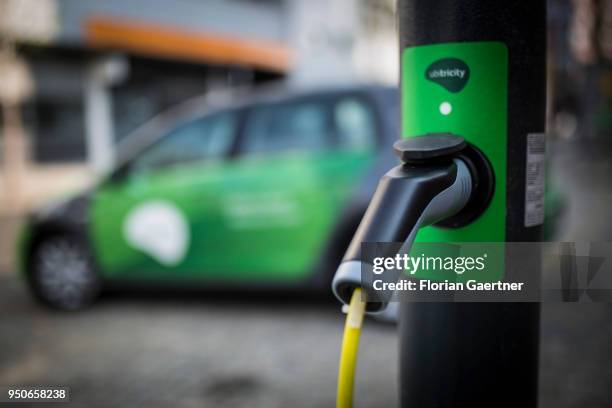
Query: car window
{"points": [[291, 126], [196, 140], [355, 124]]}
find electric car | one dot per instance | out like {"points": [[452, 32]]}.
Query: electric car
{"points": [[238, 191]]}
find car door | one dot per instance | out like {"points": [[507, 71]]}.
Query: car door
{"points": [[284, 192], [160, 217]]}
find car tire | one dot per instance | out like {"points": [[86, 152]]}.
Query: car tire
{"points": [[62, 273]]}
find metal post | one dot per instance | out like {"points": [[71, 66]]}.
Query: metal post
{"points": [[481, 354]]}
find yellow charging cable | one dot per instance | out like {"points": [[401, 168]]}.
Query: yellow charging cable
{"points": [[348, 354]]}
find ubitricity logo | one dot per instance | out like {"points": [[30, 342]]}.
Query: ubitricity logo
{"points": [[451, 73]]}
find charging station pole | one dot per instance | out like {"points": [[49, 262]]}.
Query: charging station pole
{"points": [[476, 354]]}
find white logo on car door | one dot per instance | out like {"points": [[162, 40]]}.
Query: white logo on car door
{"points": [[159, 229]]}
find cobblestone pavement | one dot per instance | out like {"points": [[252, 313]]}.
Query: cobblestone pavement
{"points": [[213, 351]]}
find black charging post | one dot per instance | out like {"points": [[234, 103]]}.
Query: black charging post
{"points": [[481, 354]]}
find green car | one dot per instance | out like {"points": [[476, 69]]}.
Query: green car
{"points": [[263, 190]]}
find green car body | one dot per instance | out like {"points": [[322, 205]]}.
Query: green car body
{"points": [[261, 218], [249, 210]]}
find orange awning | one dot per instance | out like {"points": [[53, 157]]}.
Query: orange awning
{"points": [[168, 42]]}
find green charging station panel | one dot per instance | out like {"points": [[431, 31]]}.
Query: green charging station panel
{"points": [[462, 88]]}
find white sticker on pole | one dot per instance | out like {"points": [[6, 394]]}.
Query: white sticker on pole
{"points": [[535, 179]]}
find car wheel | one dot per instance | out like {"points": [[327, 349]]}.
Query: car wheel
{"points": [[62, 273]]}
